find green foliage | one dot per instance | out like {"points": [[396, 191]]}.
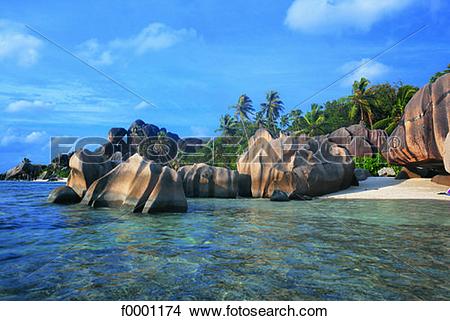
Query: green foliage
{"points": [[439, 74], [62, 172], [374, 164]]}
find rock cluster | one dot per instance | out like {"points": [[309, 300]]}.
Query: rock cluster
{"points": [[296, 165], [360, 141]]}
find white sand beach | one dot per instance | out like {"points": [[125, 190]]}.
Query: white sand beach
{"points": [[390, 188]]}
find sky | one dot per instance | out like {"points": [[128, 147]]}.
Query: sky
{"points": [[181, 64]]}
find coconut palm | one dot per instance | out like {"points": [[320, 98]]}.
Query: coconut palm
{"points": [[227, 125], [243, 109], [272, 109], [284, 121], [313, 121], [404, 94], [362, 100]]}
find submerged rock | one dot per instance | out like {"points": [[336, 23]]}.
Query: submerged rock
{"points": [[295, 165], [202, 180], [64, 195], [144, 185], [419, 137]]}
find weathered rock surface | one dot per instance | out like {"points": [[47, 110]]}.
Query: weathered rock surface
{"points": [[144, 185], [420, 136], [202, 180], [64, 195], [85, 168], [296, 165], [358, 140]]}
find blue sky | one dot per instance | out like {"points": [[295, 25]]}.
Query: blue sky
{"points": [[192, 59]]}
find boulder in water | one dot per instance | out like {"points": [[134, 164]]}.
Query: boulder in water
{"points": [[202, 180], [64, 195], [144, 185]]}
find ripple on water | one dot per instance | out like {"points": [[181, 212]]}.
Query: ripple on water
{"points": [[223, 250]]}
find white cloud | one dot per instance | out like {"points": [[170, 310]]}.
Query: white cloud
{"points": [[35, 137], [92, 52], [27, 105], [156, 36], [11, 137], [325, 16], [372, 70], [17, 45]]}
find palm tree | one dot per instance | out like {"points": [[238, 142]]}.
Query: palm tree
{"points": [[284, 121], [227, 125], [259, 120], [243, 109], [362, 100], [404, 94], [272, 109], [313, 121]]}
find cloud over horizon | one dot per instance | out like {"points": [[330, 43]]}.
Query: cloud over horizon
{"points": [[324, 16]]}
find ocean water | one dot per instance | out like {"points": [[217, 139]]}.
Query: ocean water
{"points": [[223, 250]]}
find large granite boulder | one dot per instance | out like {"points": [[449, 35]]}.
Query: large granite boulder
{"points": [[85, 168], [64, 195], [297, 165], [358, 140], [145, 186], [419, 138], [202, 180]]}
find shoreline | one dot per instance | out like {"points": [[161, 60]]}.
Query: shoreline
{"points": [[389, 188]]}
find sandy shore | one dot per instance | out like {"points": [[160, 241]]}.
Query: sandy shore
{"points": [[390, 188], [61, 180]]}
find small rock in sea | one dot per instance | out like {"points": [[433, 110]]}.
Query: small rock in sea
{"points": [[64, 195], [361, 174], [386, 172], [279, 196]]}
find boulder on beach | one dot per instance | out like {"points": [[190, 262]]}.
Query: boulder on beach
{"points": [[420, 137], [406, 173], [64, 195], [361, 174], [85, 168], [145, 186], [441, 180], [202, 180], [296, 165]]}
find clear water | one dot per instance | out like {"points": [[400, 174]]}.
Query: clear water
{"points": [[223, 250]]}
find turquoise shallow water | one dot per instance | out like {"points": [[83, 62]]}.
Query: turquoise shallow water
{"points": [[223, 250]]}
